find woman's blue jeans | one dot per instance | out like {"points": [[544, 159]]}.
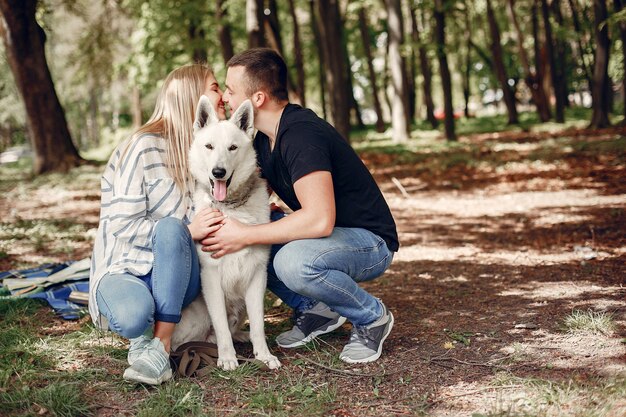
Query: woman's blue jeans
{"points": [[132, 304], [329, 269]]}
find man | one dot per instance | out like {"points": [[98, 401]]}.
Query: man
{"points": [[341, 231]]}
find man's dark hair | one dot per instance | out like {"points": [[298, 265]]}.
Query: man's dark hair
{"points": [[265, 71]]}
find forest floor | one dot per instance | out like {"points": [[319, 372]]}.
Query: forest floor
{"points": [[508, 292]]}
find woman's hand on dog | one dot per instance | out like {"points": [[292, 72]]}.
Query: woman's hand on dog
{"points": [[207, 221], [229, 238]]}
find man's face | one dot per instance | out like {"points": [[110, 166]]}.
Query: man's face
{"points": [[235, 94]]}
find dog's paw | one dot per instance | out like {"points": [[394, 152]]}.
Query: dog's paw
{"points": [[271, 361], [227, 364]]}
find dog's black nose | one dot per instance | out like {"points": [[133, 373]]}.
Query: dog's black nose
{"points": [[218, 172]]}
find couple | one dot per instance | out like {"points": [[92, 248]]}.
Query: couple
{"points": [[145, 268]]}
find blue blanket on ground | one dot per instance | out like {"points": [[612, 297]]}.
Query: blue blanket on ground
{"points": [[53, 282]]}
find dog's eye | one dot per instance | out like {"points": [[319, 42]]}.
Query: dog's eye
{"points": [[232, 148], [209, 146]]}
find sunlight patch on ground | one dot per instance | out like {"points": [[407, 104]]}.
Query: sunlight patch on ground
{"points": [[463, 205], [556, 290]]}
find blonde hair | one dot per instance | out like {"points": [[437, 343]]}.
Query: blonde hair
{"points": [[173, 118]]}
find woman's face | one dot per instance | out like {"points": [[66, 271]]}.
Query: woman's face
{"points": [[214, 93]]}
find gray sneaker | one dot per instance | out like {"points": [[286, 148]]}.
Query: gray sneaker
{"points": [[137, 345], [152, 366], [309, 324], [366, 342]]}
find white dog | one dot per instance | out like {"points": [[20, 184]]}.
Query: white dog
{"points": [[222, 162]]}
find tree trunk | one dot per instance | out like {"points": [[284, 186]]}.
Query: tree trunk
{"points": [[446, 82], [24, 45], [561, 55], [399, 101], [498, 62], [531, 79], [601, 88], [320, 55], [297, 52], [467, 65], [254, 23], [582, 49], [224, 33], [554, 71], [273, 34], [371, 72], [198, 42], [619, 5], [540, 61], [427, 73], [330, 30]]}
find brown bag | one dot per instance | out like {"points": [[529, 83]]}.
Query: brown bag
{"points": [[197, 359]]}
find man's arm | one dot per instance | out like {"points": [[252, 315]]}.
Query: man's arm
{"points": [[315, 219]]}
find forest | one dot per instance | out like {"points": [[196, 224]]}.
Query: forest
{"points": [[87, 70], [495, 130]]}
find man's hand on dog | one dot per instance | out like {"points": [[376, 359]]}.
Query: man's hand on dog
{"points": [[228, 238]]}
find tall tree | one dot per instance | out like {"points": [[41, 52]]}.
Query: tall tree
{"points": [[498, 61], [254, 23], [601, 87], [467, 64], [554, 65], [530, 77], [444, 70], [619, 5], [24, 44], [224, 30], [330, 31], [371, 72], [320, 53], [582, 47], [560, 48], [418, 28], [399, 102], [297, 52]]}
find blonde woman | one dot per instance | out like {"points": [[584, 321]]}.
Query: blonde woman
{"points": [[144, 265]]}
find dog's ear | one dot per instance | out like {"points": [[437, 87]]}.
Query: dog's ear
{"points": [[243, 118], [205, 114]]}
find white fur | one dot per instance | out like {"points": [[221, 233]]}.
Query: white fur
{"points": [[238, 279]]}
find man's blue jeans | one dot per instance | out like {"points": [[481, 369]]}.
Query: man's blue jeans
{"points": [[132, 304], [329, 269]]}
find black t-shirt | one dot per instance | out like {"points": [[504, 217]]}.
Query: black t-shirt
{"points": [[304, 144]]}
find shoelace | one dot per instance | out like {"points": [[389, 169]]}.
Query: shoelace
{"points": [[153, 358], [360, 334]]}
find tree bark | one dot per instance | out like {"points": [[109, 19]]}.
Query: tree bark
{"points": [[601, 88], [330, 30], [224, 32], [24, 44], [399, 101], [254, 23], [371, 72], [582, 49], [467, 65], [198, 42], [619, 5], [498, 62], [427, 73], [320, 54], [530, 77], [561, 54], [297, 52], [554, 71], [446, 82]]}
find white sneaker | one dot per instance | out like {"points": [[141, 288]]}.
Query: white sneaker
{"points": [[152, 366], [137, 345]]}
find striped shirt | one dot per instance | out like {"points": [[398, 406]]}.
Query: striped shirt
{"points": [[137, 191]]}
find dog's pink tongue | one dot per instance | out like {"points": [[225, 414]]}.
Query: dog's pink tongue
{"points": [[219, 190]]}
